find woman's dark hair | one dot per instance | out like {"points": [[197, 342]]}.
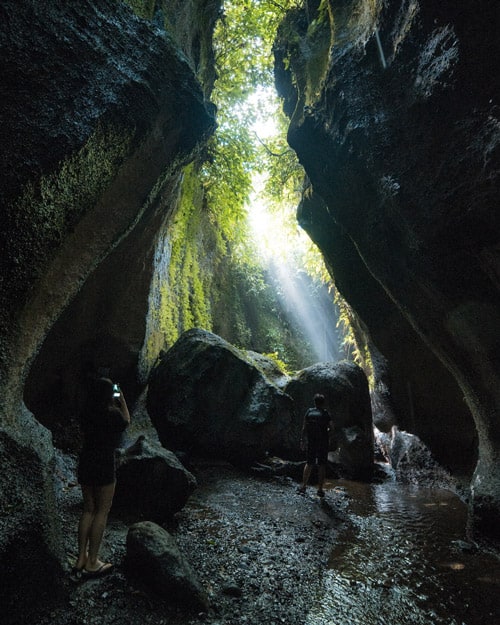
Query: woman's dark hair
{"points": [[319, 400], [103, 392], [99, 401], [99, 398]]}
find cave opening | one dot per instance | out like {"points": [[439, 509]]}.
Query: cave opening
{"points": [[230, 256], [250, 111]]}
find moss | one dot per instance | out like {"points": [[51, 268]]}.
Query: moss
{"points": [[282, 366], [356, 338], [305, 41], [50, 207], [319, 41], [200, 283], [185, 281], [142, 8]]}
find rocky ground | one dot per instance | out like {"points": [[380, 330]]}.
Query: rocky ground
{"points": [[257, 546]]}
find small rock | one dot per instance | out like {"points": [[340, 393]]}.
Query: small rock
{"points": [[232, 589]]}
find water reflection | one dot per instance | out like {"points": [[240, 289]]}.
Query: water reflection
{"points": [[402, 562]]}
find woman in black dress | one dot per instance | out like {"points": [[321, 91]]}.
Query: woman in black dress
{"points": [[104, 418]]}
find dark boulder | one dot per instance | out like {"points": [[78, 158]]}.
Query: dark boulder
{"points": [[151, 482], [29, 523], [207, 396], [345, 388], [154, 561]]}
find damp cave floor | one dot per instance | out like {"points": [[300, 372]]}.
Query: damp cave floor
{"points": [[238, 531]]}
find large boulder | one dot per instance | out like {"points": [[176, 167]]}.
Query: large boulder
{"points": [[345, 388], [207, 396], [151, 482], [153, 559]]}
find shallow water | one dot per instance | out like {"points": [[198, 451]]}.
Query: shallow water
{"points": [[405, 561]]}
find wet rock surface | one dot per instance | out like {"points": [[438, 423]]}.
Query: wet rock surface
{"points": [[399, 150], [265, 555], [248, 409], [258, 548], [167, 488]]}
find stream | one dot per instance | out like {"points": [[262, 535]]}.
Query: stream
{"points": [[405, 561]]}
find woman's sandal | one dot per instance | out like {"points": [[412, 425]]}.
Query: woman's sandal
{"points": [[104, 569], [75, 574]]}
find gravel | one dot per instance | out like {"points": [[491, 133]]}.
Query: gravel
{"points": [[257, 546]]}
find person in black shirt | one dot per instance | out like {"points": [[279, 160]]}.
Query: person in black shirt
{"points": [[317, 423], [104, 418]]}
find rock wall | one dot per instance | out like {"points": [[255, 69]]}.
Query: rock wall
{"points": [[99, 111], [400, 141]]}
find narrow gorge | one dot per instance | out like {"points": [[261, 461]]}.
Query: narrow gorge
{"points": [[125, 250]]}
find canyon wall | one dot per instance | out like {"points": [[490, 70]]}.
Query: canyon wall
{"points": [[100, 111], [393, 112]]}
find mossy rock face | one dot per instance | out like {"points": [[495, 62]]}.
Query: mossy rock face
{"points": [[100, 110], [400, 145]]}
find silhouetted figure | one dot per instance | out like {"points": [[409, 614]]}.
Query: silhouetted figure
{"points": [[315, 438], [104, 418]]}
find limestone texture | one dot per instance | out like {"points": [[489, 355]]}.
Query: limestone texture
{"points": [[207, 396], [401, 144], [99, 111]]}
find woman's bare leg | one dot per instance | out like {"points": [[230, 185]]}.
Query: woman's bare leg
{"points": [[85, 524], [103, 498], [321, 475]]}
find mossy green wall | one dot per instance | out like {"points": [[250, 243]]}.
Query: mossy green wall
{"points": [[143, 8], [199, 282], [46, 212]]}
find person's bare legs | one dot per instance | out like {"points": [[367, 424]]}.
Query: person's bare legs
{"points": [[85, 524], [103, 498], [305, 476], [321, 476]]}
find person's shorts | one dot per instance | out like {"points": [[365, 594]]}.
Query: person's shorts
{"points": [[317, 452], [96, 467]]}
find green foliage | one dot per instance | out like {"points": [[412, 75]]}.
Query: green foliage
{"points": [[142, 8], [274, 356], [227, 181], [188, 280], [249, 315], [244, 38], [214, 277], [355, 338], [243, 42]]}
